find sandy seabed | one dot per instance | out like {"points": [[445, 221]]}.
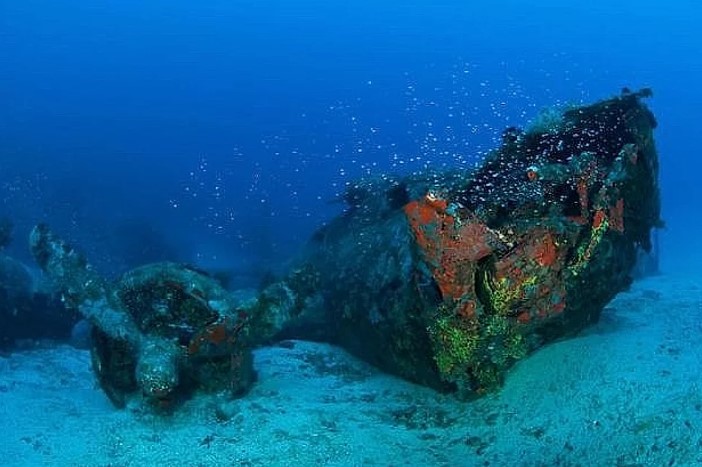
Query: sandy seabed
{"points": [[626, 392]]}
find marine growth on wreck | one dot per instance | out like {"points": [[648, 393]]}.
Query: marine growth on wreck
{"points": [[445, 279]]}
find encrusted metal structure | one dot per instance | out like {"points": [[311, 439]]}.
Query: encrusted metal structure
{"points": [[449, 279], [446, 279], [163, 330]]}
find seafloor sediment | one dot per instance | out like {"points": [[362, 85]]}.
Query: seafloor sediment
{"points": [[625, 392]]}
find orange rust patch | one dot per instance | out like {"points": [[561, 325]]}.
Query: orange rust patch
{"points": [[449, 248], [616, 216], [546, 251], [217, 333], [529, 274], [420, 213], [559, 307], [524, 317], [598, 219], [467, 309]]}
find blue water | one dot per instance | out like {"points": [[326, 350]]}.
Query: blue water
{"points": [[220, 132]]}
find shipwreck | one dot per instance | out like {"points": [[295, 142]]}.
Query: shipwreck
{"points": [[444, 279]]}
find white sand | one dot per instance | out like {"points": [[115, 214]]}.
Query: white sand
{"points": [[626, 392]]}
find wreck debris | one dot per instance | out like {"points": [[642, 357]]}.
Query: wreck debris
{"points": [[444, 279], [474, 272], [163, 329]]}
